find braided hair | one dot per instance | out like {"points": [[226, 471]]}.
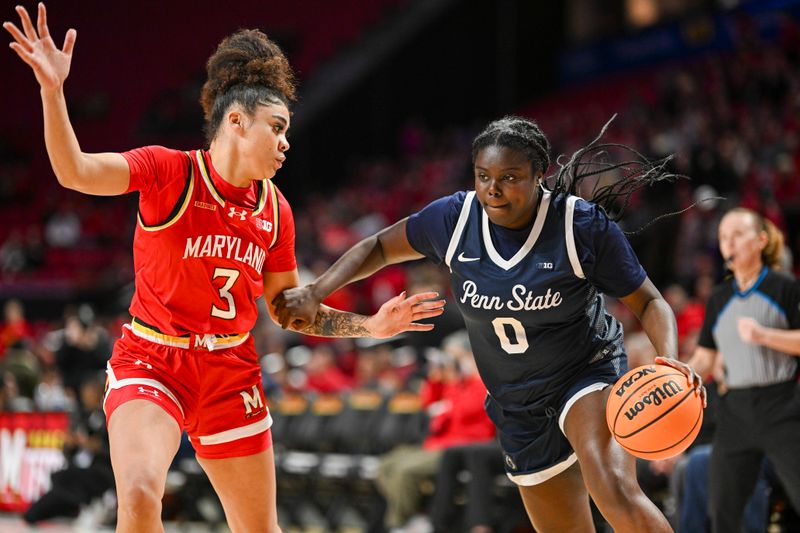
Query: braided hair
{"points": [[246, 69], [518, 134], [634, 169]]}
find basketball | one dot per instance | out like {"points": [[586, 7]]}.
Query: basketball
{"points": [[653, 412]]}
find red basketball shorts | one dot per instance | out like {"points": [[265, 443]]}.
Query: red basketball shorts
{"points": [[214, 394]]}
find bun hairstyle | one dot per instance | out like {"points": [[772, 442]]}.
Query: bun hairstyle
{"points": [[772, 254], [246, 69]]}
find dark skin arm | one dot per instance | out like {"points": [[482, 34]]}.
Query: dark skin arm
{"points": [[658, 321], [296, 308], [395, 316]]}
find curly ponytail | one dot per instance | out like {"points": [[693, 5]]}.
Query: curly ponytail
{"points": [[247, 69]]}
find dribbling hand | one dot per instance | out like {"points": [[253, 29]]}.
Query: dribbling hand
{"points": [[37, 49], [694, 379]]}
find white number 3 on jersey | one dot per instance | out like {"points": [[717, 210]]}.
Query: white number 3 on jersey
{"points": [[224, 292]]}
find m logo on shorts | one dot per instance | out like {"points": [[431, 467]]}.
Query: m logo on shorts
{"points": [[253, 405]]}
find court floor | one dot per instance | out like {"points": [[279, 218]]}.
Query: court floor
{"points": [[12, 523]]}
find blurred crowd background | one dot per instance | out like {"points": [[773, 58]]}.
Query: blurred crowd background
{"points": [[392, 93]]}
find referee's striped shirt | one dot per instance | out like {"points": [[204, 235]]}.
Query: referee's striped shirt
{"points": [[773, 301]]}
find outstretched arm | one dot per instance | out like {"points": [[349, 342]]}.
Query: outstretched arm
{"points": [[100, 174], [297, 308], [387, 247], [397, 315], [658, 321]]}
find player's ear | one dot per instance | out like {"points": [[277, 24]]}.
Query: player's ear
{"points": [[235, 119]]}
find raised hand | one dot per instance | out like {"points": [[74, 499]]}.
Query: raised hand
{"points": [[694, 379], [400, 314], [37, 49]]}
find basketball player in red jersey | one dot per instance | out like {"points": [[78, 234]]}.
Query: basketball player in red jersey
{"points": [[214, 234]]}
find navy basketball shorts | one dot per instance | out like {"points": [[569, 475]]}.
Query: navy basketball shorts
{"points": [[535, 447]]}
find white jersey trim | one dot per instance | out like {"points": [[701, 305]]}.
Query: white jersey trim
{"points": [[237, 433], [114, 383], [572, 251], [459, 229], [575, 397], [527, 247], [207, 179], [527, 480]]}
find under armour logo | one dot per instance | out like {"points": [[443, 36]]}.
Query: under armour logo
{"points": [[234, 213], [152, 392], [148, 365]]}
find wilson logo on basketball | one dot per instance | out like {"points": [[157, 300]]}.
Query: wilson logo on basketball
{"points": [[655, 397], [639, 374]]}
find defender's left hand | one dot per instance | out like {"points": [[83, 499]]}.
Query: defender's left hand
{"points": [[400, 314]]}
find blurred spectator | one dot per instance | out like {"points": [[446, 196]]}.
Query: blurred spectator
{"points": [[25, 368], [639, 349], [50, 394], [323, 374], [88, 473], [14, 329], [453, 395], [63, 228], [12, 254], [34, 248], [83, 348], [482, 463], [374, 369], [11, 400], [424, 277], [693, 507], [688, 315]]}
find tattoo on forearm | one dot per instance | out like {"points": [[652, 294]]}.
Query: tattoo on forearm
{"points": [[333, 323]]}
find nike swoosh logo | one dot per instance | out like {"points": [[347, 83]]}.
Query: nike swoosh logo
{"points": [[467, 259]]}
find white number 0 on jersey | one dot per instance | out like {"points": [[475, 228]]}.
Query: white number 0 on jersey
{"points": [[520, 342], [224, 292]]}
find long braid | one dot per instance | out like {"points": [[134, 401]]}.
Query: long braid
{"points": [[633, 170]]}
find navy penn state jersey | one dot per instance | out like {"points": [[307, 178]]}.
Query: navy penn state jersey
{"points": [[531, 298]]}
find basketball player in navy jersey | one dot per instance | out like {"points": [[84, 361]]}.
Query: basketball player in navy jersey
{"points": [[527, 266]]}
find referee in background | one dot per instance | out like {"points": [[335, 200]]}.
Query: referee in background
{"points": [[753, 323]]}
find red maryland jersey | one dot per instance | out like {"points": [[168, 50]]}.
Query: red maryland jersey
{"points": [[203, 246]]}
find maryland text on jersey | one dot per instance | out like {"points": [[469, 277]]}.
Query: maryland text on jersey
{"points": [[226, 247]]}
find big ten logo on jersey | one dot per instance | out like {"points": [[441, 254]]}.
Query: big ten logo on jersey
{"points": [[253, 404], [264, 225]]}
